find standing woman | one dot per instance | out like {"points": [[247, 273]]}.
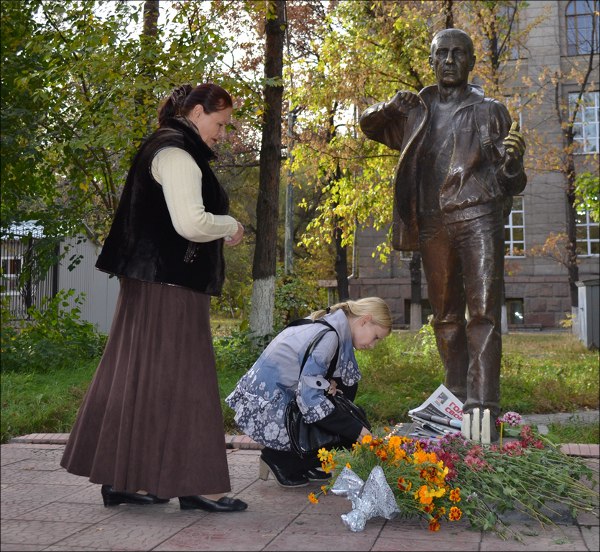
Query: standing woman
{"points": [[151, 427]]}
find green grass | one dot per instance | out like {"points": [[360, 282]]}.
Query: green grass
{"points": [[541, 373], [582, 433], [43, 402]]}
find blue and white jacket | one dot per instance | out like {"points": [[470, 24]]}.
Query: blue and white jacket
{"points": [[262, 394]]}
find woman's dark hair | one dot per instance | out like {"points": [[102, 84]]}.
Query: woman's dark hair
{"points": [[185, 97]]}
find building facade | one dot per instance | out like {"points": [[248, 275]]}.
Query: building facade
{"points": [[537, 292]]}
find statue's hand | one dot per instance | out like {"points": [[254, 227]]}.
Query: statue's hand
{"points": [[514, 142], [514, 146], [404, 101]]}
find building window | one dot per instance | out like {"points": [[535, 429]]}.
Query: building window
{"points": [[514, 311], [585, 126], [582, 31], [588, 231], [11, 269], [514, 230]]}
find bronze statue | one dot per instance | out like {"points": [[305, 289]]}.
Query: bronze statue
{"points": [[461, 162]]}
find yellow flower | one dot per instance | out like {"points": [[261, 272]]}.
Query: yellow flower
{"points": [[324, 489], [348, 465], [394, 441], [420, 456], [425, 495], [322, 454], [399, 454], [313, 498], [367, 439]]}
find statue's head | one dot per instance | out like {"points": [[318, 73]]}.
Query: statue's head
{"points": [[452, 57]]}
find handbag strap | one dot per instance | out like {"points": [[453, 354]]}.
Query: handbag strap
{"points": [[314, 343]]}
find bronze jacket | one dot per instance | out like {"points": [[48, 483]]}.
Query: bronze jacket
{"points": [[476, 182], [142, 243]]}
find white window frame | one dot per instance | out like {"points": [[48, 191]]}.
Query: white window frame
{"points": [[587, 124], [510, 242], [584, 245]]}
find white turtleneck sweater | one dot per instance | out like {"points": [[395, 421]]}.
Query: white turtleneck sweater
{"points": [[181, 179]]}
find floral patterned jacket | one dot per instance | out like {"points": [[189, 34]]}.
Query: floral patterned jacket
{"points": [[262, 394]]}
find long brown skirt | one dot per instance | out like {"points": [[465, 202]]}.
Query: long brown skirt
{"points": [[151, 419]]}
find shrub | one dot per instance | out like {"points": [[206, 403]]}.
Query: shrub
{"points": [[54, 336], [296, 296]]}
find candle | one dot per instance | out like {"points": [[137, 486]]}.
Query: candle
{"points": [[475, 425], [466, 426], [485, 427]]}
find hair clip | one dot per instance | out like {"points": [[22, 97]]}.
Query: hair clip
{"points": [[328, 310]]}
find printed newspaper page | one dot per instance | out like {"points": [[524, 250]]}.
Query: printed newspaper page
{"points": [[440, 414]]}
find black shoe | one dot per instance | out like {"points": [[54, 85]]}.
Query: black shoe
{"points": [[224, 504], [283, 480], [317, 475], [112, 497]]}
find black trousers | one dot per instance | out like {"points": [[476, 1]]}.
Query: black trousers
{"points": [[293, 465], [290, 464]]}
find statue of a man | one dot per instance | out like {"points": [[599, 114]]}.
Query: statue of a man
{"points": [[461, 162]]}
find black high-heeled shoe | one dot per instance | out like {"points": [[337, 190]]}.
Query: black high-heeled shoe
{"points": [[265, 466], [112, 497], [224, 504], [317, 475]]}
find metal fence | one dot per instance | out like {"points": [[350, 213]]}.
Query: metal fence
{"points": [[19, 286]]}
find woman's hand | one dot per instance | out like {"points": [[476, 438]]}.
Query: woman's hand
{"points": [[332, 390], [237, 237]]}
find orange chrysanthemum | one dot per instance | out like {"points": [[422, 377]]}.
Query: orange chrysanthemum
{"points": [[455, 495], [404, 485], [455, 513], [434, 525]]}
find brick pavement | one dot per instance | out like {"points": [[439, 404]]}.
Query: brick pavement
{"points": [[46, 508]]}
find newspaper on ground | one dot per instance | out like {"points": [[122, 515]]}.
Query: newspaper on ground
{"points": [[439, 415]]}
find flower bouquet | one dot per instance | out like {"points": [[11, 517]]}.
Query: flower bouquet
{"points": [[449, 478]]}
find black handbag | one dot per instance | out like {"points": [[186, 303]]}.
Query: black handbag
{"points": [[306, 439]]}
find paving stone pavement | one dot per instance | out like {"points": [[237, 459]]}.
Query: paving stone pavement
{"points": [[46, 508]]}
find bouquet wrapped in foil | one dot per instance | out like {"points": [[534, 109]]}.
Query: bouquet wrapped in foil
{"points": [[371, 499]]}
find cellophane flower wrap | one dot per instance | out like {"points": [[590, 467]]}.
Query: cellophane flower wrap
{"points": [[447, 479]]}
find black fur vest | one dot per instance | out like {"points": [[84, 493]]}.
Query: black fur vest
{"points": [[142, 243]]}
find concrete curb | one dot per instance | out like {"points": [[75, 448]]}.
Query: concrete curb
{"points": [[243, 442]]}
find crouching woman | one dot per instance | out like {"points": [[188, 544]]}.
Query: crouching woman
{"points": [[294, 366]]}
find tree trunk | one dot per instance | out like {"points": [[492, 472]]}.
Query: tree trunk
{"points": [[572, 265], [148, 40], [267, 205], [341, 265], [448, 14]]}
